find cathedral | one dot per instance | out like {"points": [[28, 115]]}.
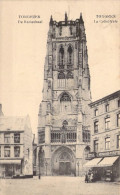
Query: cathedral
{"points": [[64, 113]]}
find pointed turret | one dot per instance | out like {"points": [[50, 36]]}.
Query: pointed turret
{"points": [[66, 18], [51, 21], [81, 19]]}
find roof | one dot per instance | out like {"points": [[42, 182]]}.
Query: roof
{"points": [[108, 97], [12, 123]]}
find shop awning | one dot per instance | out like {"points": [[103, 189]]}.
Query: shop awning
{"points": [[93, 163], [10, 161], [108, 161]]}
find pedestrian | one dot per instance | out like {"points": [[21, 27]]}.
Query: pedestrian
{"points": [[91, 177], [86, 178], [39, 176]]}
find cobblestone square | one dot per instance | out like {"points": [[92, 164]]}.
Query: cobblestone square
{"points": [[56, 186]]}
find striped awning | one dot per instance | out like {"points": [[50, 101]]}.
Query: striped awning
{"points": [[93, 163], [108, 161]]}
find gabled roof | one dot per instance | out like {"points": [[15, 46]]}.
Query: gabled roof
{"points": [[106, 98], [12, 123]]}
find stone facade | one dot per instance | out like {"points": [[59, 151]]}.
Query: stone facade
{"points": [[105, 129], [15, 146], [64, 114]]}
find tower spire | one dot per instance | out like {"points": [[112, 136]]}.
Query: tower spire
{"points": [[65, 81]]}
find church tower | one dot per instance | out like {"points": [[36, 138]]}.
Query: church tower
{"points": [[64, 113]]}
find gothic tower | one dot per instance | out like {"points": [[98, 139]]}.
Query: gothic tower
{"points": [[64, 113]]}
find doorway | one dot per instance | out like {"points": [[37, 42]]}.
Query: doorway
{"points": [[9, 170], [64, 168]]}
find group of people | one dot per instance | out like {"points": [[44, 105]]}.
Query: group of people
{"points": [[89, 177]]}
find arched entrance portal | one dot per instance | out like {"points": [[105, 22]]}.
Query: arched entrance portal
{"points": [[63, 161]]}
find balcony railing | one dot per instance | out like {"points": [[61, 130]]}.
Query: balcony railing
{"points": [[63, 137]]}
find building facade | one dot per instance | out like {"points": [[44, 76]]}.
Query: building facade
{"points": [[105, 134], [15, 147], [64, 114]]}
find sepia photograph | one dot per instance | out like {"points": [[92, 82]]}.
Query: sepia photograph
{"points": [[59, 97]]}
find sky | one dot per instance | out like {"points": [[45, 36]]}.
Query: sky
{"points": [[23, 50]]}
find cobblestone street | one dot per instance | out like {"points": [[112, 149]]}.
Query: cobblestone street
{"points": [[56, 186]]}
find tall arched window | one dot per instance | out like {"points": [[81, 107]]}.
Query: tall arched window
{"points": [[65, 103], [70, 55], [61, 80], [86, 152], [61, 57], [61, 75], [69, 75]]}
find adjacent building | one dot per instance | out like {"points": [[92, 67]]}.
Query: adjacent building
{"points": [[105, 135], [15, 147], [64, 114]]}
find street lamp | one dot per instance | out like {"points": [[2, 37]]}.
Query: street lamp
{"points": [[46, 164], [39, 157], [39, 162], [78, 167]]}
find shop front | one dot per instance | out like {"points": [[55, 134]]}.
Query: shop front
{"points": [[92, 167], [110, 168], [105, 168], [10, 168]]}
